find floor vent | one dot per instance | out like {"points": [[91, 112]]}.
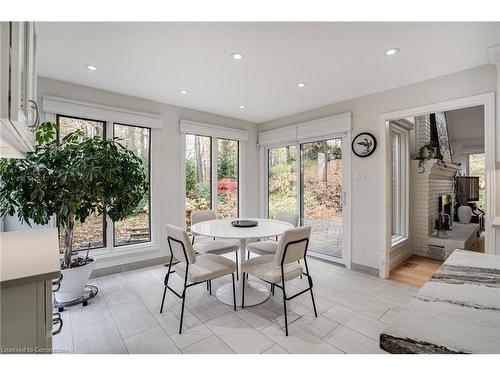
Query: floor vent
{"points": [[436, 252]]}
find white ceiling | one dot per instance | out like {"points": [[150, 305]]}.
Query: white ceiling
{"points": [[466, 124], [338, 61]]}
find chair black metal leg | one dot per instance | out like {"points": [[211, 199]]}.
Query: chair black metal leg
{"points": [[237, 273], [234, 293], [207, 284], [299, 264], [272, 289], [163, 299], [314, 305], [210, 287], [182, 309], [167, 276], [284, 309], [243, 291], [309, 279]]}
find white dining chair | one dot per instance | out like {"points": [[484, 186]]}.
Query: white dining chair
{"points": [[281, 267], [269, 246], [191, 268], [213, 246]]}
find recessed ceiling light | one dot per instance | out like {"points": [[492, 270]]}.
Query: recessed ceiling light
{"points": [[392, 51], [301, 84], [183, 92], [91, 67], [242, 106], [237, 56]]}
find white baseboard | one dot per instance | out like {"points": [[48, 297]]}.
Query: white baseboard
{"points": [[400, 258]]}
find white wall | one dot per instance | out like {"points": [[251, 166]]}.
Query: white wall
{"points": [[459, 156], [168, 170], [367, 230], [466, 129]]}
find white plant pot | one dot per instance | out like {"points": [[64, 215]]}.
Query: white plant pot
{"points": [[464, 214], [73, 282]]}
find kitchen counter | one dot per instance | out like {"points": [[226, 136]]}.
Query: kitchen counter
{"points": [[29, 256], [457, 310]]}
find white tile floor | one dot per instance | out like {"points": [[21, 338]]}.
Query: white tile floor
{"points": [[353, 309]]}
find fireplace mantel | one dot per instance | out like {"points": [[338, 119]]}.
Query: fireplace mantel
{"points": [[436, 167]]}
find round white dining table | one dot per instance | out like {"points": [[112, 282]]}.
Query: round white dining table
{"points": [[255, 293]]}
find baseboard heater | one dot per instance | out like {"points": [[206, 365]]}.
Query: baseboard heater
{"points": [[436, 252]]}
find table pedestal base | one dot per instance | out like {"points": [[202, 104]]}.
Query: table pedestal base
{"points": [[255, 293]]}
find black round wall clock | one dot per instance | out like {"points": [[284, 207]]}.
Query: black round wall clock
{"points": [[364, 144]]}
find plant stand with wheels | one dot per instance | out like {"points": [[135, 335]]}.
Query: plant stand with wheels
{"points": [[89, 292]]}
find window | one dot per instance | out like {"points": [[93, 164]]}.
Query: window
{"points": [[198, 174], [477, 168], [201, 154], [90, 128], [92, 233], [399, 182], [227, 178], [137, 227], [282, 180]]}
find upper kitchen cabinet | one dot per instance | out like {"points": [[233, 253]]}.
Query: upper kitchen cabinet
{"points": [[19, 114]]}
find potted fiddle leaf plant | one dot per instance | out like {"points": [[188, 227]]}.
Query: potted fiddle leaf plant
{"points": [[69, 180]]}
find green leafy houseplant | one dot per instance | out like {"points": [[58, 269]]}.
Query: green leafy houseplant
{"points": [[426, 152], [71, 180]]}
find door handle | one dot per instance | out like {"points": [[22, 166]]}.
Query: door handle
{"points": [[34, 106]]}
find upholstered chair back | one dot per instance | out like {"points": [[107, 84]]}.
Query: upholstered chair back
{"points": [[179, 237], [205, 215], [288, 217], [294, 251]]}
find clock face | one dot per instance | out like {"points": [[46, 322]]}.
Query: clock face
{"points": [[364, 144]]}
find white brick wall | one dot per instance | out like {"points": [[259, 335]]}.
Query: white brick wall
{"points": [[425, 191], [422, 130]]}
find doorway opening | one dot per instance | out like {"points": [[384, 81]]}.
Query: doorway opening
{"points": [[439, 184]]}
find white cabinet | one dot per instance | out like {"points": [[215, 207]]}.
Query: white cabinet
{"points": [[18, 105], [26, 317]]}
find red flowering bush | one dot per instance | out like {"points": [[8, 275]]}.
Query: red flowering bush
{"points": [[227, 185]]}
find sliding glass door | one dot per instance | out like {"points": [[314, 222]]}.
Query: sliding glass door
{"points": [[321, 194], [307, 178]]}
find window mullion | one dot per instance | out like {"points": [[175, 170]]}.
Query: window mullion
{"points": [[298, 174], [214, 168], [110, 241]]}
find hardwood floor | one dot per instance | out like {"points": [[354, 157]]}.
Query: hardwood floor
{"points": [[479, 244], [415, 271]]}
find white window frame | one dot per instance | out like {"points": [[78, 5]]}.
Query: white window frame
{"points": [[404, 181], [53, 106], [215, 132]]}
